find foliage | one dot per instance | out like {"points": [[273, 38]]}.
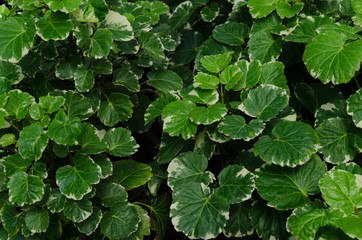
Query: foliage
{"points": [[127, 119]]}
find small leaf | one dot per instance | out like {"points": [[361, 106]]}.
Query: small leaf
{"points": [[63, 5], [119, 26], [102, 66], [342, 190], [216, 63], [265, 102], [101, 43], [125, 77], [208, 115], [206, 81], [15, 163], [209, 13], [264, 47], [36, 112], [291, 144], [7, 139], [236, 184], [10, 218], [273, 73], [235, 127], [130, 174], [105, 164], [121, 221], [330, 49], [18, 103], [161, 210], [120, 142], [231, 33], [111, 193], [11, 72], [203, 96], [230, 76], [83, 78], [188, 167], [56, 201], [90, 141], [152, 45], [181, 14], [37, 220], [154, 110], [169, 148], [32, 142], [334, 109], [350, 167], [251, 74], [54, 25], [176, 120], [51, 103], [78, 211], [287, 188], [118, 108], [143, 226], [89, 225], [76, 181], [164, 80], [25, 189], [354, 108]]}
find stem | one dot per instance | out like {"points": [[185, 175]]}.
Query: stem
{"points": [[355, 79], [14, 126], [143, 204]]}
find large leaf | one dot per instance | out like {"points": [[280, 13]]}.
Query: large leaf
{"points": [[176, 120], [351, 225], [231, 33], [130, 174], [121, 221], [78, 211], [25, 189], [64, 130], [101, 43], [305, 221], [90, 141], [54, 25], [235, 127], [188, 167], [10, 218], [329, 58], [117, 108], [192, 208], [164, 80], [208, 115], [17, 37], [236, 184], [120, 142], [290, 144], [76, 181], [264, 47], [32, 142], [339, 140], [37, 220], [90, 224], [342, 190], [354, 107], [287, 188], [265, 102], [216, 63]]}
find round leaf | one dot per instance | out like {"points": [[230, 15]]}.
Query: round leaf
{"points": [[56, 201], [54, 25], [105, 164], [291, 144], [231, 33], [209, 13], [239, 225], [18, 103], [208, 115], [78, 211], [264, 47], [120, 142], [32, 142], [37, 220], [206, 81], [89, 225], [10, 219], [154, 110], [63, 5], [15, 163], [164, 80], [111, 193], [216, 63], [354, 107], [89, 140], [76, 181], [119, 26], [83, 78]]}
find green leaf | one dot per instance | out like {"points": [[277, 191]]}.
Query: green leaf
{"points": [[268, 222], [290, 144], [264, 47], [105, 164], [63, 5], [118, 108], [161, 211], [273, 73], [208, 115], [188, 167], [32, 142], [169, 148], [204, 145], [25, 189], [209, 13], [76, 181], [101, 43], [238, 224], [354, 107], [235, 127], [111, 193], [18, 103], [51, 103], [192, 208], [206, 81], [83, 78], [89, 225], [350, 167], [203, 96], [17, 37], [330, 49], [90, 141], [154, 110], [231, 33], [7, 139], [56, 201], [36, 112], [251, 74], [130, 174], [285, 10], [181, 14], [351, 226], [152, 45], [348, 31], [339, 140], [216, 63], [54, 25], [15, 163], [342, 190], [143, 226], [236, 184], [176, 120], [119, 26], [121, 221], [305, 221], [102, 66], [64, 130], [125, 77], [78, 211], [187, 50], [10, 218], [334, 109], [37, 220], [230, 76], [265, 102], [120, 142], [259, 9], [10, 72], [287, 188], [164, 80]]}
